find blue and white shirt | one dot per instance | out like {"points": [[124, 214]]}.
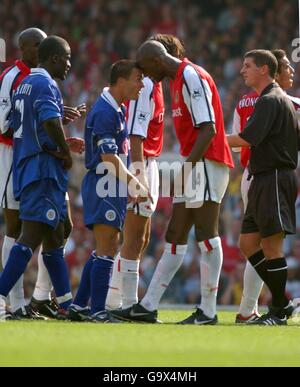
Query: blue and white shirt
{"points": [[106, 131]]}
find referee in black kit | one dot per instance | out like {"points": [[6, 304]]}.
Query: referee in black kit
{"points": [[272, 133]]}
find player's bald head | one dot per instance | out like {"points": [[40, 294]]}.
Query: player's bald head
{"points": [[152, 59], [31, 36], [150, 49]]}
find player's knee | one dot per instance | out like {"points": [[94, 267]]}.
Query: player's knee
{"points": [[135, 245], [248, 247], [176, 236], [108, 245], [271, 251]]}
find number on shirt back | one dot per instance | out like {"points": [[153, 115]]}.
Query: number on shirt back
{"points": [[19, 106]]}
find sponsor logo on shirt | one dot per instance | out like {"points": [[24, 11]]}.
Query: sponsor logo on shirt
{"points": [[247, 102]]}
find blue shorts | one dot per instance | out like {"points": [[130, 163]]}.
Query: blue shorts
{"points": [[42, 201], [101, 210]]}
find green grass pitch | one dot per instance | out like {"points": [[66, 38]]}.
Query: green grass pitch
{"points": [[51, 343]]}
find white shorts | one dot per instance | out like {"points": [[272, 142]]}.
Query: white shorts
{"points": [[147, 208], [6, 181], [207, 182], [245, 185]]}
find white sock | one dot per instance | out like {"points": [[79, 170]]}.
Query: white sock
{"points": [[43, 286], [211, 264], [129, 271], [114, 295], [16, 295], [252, 288], [2, 307], [169, 263]]}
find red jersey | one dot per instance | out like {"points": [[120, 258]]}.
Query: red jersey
{"points": [[9, 81], [145, 117], [243, 111], [195, 100]]}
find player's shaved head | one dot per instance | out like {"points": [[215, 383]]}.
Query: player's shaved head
{"points": [[30, 35], [150, 49], [155, 61], [53, 45], [29, 41]]}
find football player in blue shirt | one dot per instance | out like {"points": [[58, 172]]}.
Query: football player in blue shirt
{"points": [[40, 163], [104, 188]]}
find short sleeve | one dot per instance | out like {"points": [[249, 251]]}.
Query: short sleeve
{"points": [[140, 112], [47, 104], [197, 96]]}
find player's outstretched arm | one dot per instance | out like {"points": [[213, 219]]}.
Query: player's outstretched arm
{"points": [[55, 131], [236, 141], [137, 191], [137, 165]]}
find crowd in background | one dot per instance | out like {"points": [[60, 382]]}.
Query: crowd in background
{"points": [[216, 34]]}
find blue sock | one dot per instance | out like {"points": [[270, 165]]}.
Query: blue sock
{"points": [[18, 259], [57, 269], [84, 290], [100, 276]]}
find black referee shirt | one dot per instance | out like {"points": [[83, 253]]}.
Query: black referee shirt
{"points": [[272, 131]]}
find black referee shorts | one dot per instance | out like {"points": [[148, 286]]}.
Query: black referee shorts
{"points": [[271, 204]]}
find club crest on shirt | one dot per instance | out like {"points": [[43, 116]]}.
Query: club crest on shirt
{"points": [[197, 94], [51, 215], [142, 116], [110, 215]]}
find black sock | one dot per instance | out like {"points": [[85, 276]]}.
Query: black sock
{"points": [[259, 263], [277, 277]]}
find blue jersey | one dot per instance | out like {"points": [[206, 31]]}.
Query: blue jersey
{"points": [[36, 100], [104, 197], [105, 131]]}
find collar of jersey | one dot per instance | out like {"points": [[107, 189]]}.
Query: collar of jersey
{"points": [[110, 99], [42, 71]]}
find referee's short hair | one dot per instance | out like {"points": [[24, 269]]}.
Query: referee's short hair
{"points": [[121, 69], [264, 57], [53, 45]]}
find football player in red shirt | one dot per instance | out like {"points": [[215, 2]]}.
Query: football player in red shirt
{"points": [[198, 121]]}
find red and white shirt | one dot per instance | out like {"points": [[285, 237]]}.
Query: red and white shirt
{"points": [[243, 111], [195, 100], [9, 81], [145, 117]]}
